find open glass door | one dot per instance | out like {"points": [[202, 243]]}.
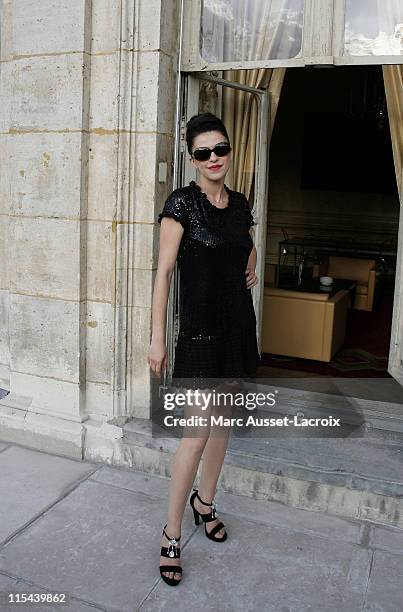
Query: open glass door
{"points": [[203, 92]]}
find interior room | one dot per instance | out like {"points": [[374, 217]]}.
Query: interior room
{"points": [[333, 216]]}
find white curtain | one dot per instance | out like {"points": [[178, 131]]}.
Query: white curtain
{"points": [[374, 27], [390, 14], [239, 30]]}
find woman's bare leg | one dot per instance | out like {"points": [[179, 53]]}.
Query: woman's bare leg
{"points": [[213, 459], [184, 466]]}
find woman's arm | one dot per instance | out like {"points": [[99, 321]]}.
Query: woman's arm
{"points": [[251, 278], [170, 238], [252, 259]]}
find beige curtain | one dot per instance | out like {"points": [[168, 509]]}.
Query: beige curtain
{"points": [[240, 116], [393, 79]]}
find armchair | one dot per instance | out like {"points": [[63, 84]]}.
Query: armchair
{"points": [[363, 271], [303, 324]]}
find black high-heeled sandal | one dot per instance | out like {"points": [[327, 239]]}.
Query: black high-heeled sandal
{"points": [[207, 518], [173, 551]]}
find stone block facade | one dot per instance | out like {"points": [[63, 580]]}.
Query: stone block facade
{"points": [[87, 112]]}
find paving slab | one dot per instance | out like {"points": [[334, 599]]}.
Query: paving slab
{"points": [[31, 481], [138, 482], [262, 510], [100, 543], [388, 539], [15, 586], [258, 568], [385, 588], [353, 595]]}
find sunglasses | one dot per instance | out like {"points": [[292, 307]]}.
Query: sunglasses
{"points": [[204, 153]]}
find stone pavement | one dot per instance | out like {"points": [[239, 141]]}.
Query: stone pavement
{"points": [[93, 532]]}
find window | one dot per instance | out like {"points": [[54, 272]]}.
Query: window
{"points": [[251, 34], [373, 27], [248, 30]]}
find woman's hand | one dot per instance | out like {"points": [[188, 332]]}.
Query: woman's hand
{"points": [[251, 278], [157, 357]]}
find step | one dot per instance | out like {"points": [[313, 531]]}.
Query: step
{"points": [[359, 476]]}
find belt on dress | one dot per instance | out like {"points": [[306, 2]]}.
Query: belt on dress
{"points": [[198, 337]]}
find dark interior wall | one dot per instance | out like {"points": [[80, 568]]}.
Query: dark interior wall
{"points": [[368, 217]]}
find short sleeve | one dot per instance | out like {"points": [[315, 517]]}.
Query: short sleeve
{"points": [[249, 217], [175, 207]]}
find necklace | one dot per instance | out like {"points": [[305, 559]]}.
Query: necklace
{"points": [[212, 202], [216, 201]]}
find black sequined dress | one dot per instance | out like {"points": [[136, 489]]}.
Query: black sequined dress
{"points": [[217, 322]]}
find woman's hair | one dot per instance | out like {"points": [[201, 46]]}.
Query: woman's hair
{"points": [[204, 122]]}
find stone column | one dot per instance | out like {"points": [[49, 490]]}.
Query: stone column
{"points": [[88, 108], [44, 129]]}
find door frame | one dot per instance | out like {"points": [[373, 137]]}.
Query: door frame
{"points": [[184, 172], [395, 363]]}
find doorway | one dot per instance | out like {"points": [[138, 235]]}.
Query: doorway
{"points": [[207, 91], [250, 138], [333, 190]]}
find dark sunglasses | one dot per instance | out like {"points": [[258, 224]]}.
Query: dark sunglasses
{"points": [[204, 153]]}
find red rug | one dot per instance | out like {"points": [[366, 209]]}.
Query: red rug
{"points": [[364, 353]]}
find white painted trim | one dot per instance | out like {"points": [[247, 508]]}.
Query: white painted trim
{"points": [[201, 65], [190, 37], [192, 60], [339, 16], [184, 173], [322, 41], [342, 59], [365, 60], [395, 365], [261, 199], [317, 31], [191, 108]]}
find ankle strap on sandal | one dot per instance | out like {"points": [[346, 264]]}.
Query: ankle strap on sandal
{"points": [[173, 548], [212, 505]]}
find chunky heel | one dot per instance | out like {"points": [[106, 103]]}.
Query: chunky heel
{"points": [[196, 516], [207, 518], [172, 552]]}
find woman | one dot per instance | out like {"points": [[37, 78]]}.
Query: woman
{"points": [[206, 227]]}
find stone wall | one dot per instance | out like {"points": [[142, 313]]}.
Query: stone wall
{"points": [[87, 114]]}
